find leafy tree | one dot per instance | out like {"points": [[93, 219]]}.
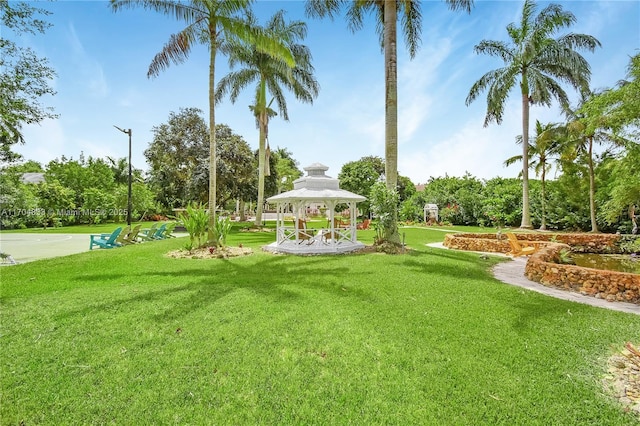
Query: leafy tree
{"points": [[386, 13], [177, 157], [412, 208], [459, 200], [142, 201], [287, 169], [210, 22], [24, 77], [567, 201], [406, 188], [18, 201], [270, 75], [80, 175], [546, 143], [54, 199], [237, 165], [538, 61], [621, 194], [100, 204], [360, 176], [501, 204]]}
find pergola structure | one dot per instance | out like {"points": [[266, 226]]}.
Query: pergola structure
{"points": [[291, 233]]}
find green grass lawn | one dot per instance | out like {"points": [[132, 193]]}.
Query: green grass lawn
{"points": [[128, 336]]}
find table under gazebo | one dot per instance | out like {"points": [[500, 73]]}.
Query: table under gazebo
{"points": [[292, 236]]}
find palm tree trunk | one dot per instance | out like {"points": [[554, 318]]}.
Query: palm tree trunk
{"points": [[261, 106], [543, 224], [261, 166], [391, 109], [213, 169], [592, 188], [526, 215]]}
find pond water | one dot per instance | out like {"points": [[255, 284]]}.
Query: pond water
{"points": [[611, 262]]}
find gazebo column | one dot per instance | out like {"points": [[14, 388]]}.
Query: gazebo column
{"points": [[331, 205]]}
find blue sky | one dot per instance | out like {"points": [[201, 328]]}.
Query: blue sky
{"points": [[101, 59]]}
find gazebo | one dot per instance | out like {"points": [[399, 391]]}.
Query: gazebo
{"points": [[292, 236]]}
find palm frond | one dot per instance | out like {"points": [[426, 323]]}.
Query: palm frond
{"points": [[322, 8], [464, 5], [411, 21], [495, 48], [176, 51]]}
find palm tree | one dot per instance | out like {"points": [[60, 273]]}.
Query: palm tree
{"points": [[271, 75], [386, 12], [543, 146], [584, 128], [537, 60], [210, 22]]}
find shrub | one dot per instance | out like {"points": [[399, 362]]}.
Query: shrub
{"points": [[195, 221]]}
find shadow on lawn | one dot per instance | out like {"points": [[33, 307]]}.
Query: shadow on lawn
{"points": [[283, 280]]}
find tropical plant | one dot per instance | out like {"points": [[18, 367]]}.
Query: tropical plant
{"points": [[221, 231], [542, 147], [538, 61], [619, 108], [195, 221], [384, 207], [270, 75], [210, 22], [387, 17]]}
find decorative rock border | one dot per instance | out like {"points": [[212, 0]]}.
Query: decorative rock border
{"points": [[544, 265]]}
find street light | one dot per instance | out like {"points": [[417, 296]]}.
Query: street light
{"points": [[128, 132]]}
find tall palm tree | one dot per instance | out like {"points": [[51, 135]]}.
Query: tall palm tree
{"points": [[271, 75], [209, 22], [538, 61], [386, 12], [545, 143]]}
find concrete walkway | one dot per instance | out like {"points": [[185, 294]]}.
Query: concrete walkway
{"points": [[513, 273]]}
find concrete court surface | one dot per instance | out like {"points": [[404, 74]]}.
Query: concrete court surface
{"points": [[29, 247]]}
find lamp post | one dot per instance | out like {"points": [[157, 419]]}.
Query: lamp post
{"points": [[129, 207]]}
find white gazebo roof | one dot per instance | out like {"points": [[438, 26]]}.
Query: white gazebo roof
{"points": [[316, 186]]}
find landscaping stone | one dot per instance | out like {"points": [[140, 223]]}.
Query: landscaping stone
{"points": [[544, 265]]}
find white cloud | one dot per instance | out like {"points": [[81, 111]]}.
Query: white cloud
{"points": [[91, 71]]}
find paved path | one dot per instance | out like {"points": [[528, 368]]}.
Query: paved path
{"points": [[513, 273]]}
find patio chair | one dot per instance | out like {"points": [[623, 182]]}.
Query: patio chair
{"points": [[303, 234], [364, 225], [519, 248], [121, 239], [132, 237], [105, 240], [159, 234], [169, 230], [148, 233]]}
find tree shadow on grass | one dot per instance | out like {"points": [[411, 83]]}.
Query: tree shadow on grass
{"points": [[445, 263], [274, 277]]}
